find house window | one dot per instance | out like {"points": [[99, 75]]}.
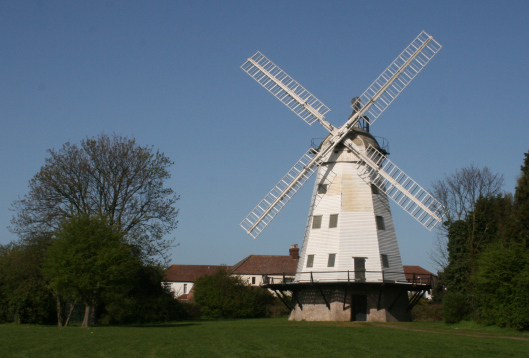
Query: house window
{"points": [[316, 222], [310, 260], [322, 188], [385, 261], [380, 223], [374, 189], [332, 258], [185, 288], [253, 280], [333, 220]]}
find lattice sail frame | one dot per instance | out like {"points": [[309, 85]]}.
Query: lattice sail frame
{"points": [[398, 75], [281, 194], [401, 188], [285, 88]]}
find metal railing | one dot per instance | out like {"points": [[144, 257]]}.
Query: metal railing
{"points": [[349, 276]]}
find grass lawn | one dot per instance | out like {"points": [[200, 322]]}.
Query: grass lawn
{"points": [[264, 338]]}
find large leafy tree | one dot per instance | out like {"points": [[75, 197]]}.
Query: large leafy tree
{"points": [[87, 260], [105, 176]]}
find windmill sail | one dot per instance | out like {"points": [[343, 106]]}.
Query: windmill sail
{"points": [[286, 89], [397, 76], [277, 198], [401, 188]]}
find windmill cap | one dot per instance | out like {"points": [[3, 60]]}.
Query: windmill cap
{"points": [[358, 136]]}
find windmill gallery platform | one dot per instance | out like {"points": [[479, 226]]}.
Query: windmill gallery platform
{"points": [[351, 299]]}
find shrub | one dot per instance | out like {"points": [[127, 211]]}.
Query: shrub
{"points": [[427, 311], [192, 310], [456, 307], [224, 296], [147, 301]]}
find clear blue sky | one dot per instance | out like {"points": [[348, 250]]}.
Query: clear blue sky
{"points": [[167, 73]]}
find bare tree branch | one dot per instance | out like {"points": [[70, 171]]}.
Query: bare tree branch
{"points": [[105, 176], [458, 192]]}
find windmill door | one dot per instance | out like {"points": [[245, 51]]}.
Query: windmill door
{"points": [[359, 308]]}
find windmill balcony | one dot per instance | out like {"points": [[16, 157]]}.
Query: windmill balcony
{"points": [[349, 277]]}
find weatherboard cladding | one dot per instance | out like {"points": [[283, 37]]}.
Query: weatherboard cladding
{"points": [[357, 234]]}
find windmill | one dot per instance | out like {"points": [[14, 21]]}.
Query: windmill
{"points": [[350, 256]]}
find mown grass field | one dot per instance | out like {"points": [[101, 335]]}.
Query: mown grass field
{"points": [[263, 338]]}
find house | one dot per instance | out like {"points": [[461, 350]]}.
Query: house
{"points": [[181, 278], [416, 274], [264, 269]]}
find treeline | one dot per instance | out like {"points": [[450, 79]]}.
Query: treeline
{"points": [[35, 288], [486, 278], [92, 234]]}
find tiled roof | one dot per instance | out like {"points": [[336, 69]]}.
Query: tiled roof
{"points": [[189, 273], [265, 264], [417, 270]]}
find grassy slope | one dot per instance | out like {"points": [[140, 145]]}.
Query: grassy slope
{"points": [[258, 338]]}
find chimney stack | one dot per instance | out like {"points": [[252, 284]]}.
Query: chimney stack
{"points": [[294, 252]]}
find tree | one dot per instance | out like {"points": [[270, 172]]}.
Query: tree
{"points": [[87, 259], [519, 228], [222, 295], [467, 239], [109, 177], [459, 192], [24, 294], [502, 276], [147, 301], [502, 283]]}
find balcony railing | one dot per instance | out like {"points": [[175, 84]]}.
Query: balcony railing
{"points": [[350, 277]]}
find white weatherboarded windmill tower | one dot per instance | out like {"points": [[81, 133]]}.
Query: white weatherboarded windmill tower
{"points": [[350, 266]]}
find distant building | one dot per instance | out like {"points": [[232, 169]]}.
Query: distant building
{"points": [[181, 278], [263, 269], [418, 275], [253, 269]]}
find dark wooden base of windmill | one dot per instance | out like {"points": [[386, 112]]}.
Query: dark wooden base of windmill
{"points": [[349, 301]]}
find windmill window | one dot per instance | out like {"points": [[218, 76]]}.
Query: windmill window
{"points": [[380, 223], [332, 259], [310, 260], [316, 222], [374, 189], [385, 261], [322, 188], [333, 220], [360, 268]]}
